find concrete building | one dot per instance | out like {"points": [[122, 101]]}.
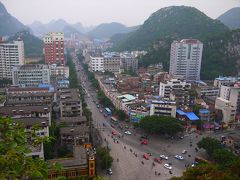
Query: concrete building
{"points": [[59, 71], [29, 97], [96, 63], [129, 63], [54, 48], [70, 103], [226, 81], [185, 58], [31, 75], [227, 110], [165, 88], [208, 91], [112, 64], [11, 54], [166, 108]]}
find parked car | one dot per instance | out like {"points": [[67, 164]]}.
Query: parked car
{"points": [[184, 151], [179, 157], [128, 132], [144, 142], [146, 156], [109, 171], [164, 157], [158, 160], [114, 133], [167, 166]]}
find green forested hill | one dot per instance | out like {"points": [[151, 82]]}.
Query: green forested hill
{"points": [[33, 46], [221, 54], [174, 21]]}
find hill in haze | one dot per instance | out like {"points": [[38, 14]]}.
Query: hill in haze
{"points": [[60, 25], [106, 30], [8, 24], [231, 18], [33, 46]]}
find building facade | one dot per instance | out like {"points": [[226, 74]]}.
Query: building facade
{"points": [[96, 64], [185, 58], [112, 64], [54, 48], [166, 88], [11, 54], [164, 108], [31, 75], [129, 64]]}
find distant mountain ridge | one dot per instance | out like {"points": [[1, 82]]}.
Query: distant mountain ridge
{"points": [[9, 24], [231, 18], [107, 30]]}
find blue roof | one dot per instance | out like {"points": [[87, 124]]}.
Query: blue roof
{"points": [[204, 111], [190, 115]]}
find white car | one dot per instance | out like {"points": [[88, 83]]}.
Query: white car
{"points": [[179, 157], [109, 171], [164, 157], [167, 166], [128, 132], [184, 151]]}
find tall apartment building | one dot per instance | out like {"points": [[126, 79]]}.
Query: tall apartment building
{"points": [[96, 63], [166, 88], [54, 48], [31, 75], [185, 58], [11, 54]]}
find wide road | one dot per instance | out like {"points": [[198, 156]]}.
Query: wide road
{"points": [[128, 149]]}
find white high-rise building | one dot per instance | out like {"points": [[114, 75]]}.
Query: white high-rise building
{"points": [[96, 63], [11, 54], [185, 58]]}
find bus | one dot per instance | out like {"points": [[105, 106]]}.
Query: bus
{"points": [[114, 120], [107, 111]]}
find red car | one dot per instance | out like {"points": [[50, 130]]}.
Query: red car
{"points": [[158, 160], [114, 133], [144, 142], [146, 156]]}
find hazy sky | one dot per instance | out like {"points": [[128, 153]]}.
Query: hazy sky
{"points": [[93, 12]]}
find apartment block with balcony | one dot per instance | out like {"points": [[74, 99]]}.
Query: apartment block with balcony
{"points": [[96, 63], [11, 54], [112, 64], [165, 108], [70, 103], [165, 88], [30, 75]]}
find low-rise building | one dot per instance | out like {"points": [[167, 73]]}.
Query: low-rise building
{"points": [[166, 108], [70, 103], [124, 101], [165, 88], [206, 91], [227, 110], [30, 75], [129, 63], [226, 81], [204, 114]]}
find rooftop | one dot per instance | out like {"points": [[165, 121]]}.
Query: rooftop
{"points": [[23, 110], [30, 121], [127, 97], [190, 115]]}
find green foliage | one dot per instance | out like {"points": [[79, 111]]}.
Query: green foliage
{"points": [[104, 100], [13, 149], [33, 46], [121, 114], [209, 144], [161, 125], [72, 73], [223, 157], [104, 157], [174, 22]]}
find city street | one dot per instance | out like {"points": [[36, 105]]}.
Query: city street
{"points": [[130, 166]]}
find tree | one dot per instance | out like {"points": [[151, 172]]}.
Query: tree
{"points": [[121, 114], [223, 157], [209, 144], [104, 157], [14, 148], [161, 124]]}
